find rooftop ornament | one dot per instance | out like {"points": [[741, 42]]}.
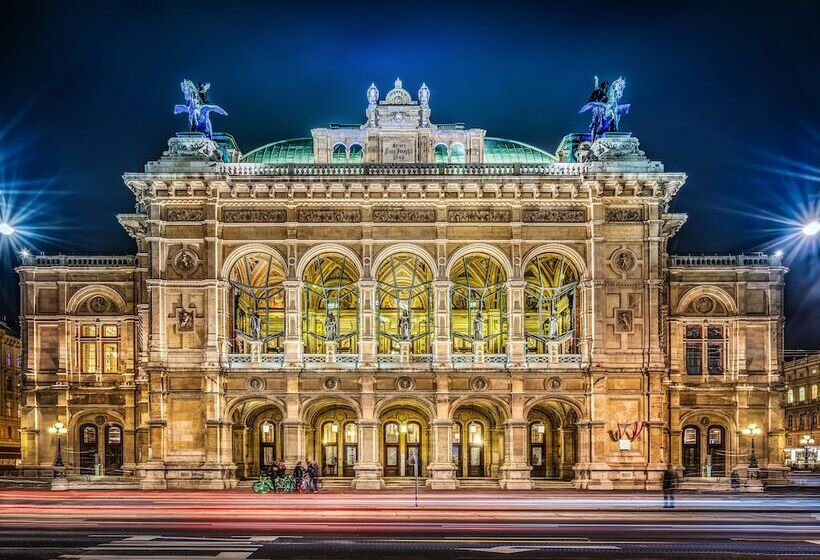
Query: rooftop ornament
{"points": [[197, 107], [606, 110]]}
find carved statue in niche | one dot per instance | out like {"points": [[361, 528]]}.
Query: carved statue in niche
{"points": [[623, 320], [624, 260], [98, 304], [478, 327], [256, 327], [704, 305], [185, 321], [185, 261], [331, 331], [404, 325]]}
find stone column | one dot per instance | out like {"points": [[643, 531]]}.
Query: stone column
{"points": [[152, 470], [442, 346], [586, 320], [515, 472], [369, 474], [294, 347], [441, 470], [516, 341], [368, 344], [293, 441]]}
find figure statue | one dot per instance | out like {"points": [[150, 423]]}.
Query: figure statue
{"points": [[197, 107], [478, 327], [424, 94], [372, 94], [404, 325], [256, 327], [606, 111], [553, 327], [330, 327]]}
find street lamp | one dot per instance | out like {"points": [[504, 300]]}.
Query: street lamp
{"points": [[806, 441], [59, 430], [752, 430]]}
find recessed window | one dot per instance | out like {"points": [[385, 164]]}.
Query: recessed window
{"points": [[705, 349], [801, 394], [790, 396]]}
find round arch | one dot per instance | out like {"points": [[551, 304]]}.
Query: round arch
{"points": [[308, 256], [547, 401], [97, 289], [239, 252], [500, 410], [398, 248], [480, 248], [719, 294], [257, 402], [559, 249], [419, 404], [313, 407]]}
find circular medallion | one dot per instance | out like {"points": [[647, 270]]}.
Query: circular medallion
{"points": [[98, 304], [553, 383], [704, 304], [704, 421], [330, 383], [185, 261], [99, 420], [256, 383], [479, 384], [404, 383], [624, 260]]}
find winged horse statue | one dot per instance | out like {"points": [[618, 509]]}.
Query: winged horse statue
{"points": [[605, 107], [197, 107]]}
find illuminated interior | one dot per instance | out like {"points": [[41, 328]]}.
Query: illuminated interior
{"points": [[258, 294], [478, 286], [549, 307], [330, 291], [404, 293]]}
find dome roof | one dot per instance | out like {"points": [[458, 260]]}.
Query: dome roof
{"points": [[295, 150], [501, 150]]}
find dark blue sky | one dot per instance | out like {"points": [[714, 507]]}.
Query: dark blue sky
{"points": [[727, 92]]}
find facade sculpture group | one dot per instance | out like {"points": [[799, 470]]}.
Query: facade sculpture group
{"points": [[404, 293]]}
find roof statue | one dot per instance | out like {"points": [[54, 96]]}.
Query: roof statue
{"points": [[372, 95], [197, 107], [398, 95], [605, 107]]}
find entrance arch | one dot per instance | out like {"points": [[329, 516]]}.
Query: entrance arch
{"points": [[552, 440], [478, 440], [257, 436], [332, 438], [404, 438]]}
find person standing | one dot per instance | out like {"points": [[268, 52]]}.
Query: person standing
{"points": [[670, 484], [298, 475]]}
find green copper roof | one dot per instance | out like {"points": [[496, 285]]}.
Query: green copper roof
{"points": [[500, 150], [295, 150]]}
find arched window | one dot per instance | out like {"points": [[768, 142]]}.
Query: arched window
{"points": [[457, 154], [258, 303], [330, 304], [356, 154], [549, 308], [691, 451], [441, 154], [339, 154], [790, 396], [814, 392], [801, 394], [404, 303], [478, 304]]}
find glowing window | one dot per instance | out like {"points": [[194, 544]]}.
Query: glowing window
{"points": [[404, 301], [330, 304], [88, 330], [457, 154], [356, 154], [391, 433], [440, 154], [478, 304], [110, 357], [110, 331], [549, 307], [339, 154], [790, 396], [258, 303], [88, 353], [814, 392], [801, 394]]}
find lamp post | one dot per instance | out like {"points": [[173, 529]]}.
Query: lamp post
{"points": [[752, 430], [806, 441], [58, 429]]}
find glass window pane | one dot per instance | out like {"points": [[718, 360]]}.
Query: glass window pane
{"points": [[110, 357], [413, 433], [110, 331], [456, 433], [715, 436], [440, 153], [89, 434], [537, 431], [266, 432], [693, 359], [88, 330], [351, 433], [801, 394], [391, 433], [114, 434], [690, 436], [356, 154], [89, 357], [693, 332], [715, 358], [457, 154], [714, 332], [339, 154]]}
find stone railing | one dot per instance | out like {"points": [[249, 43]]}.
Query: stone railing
{"points": [[79, 261], [387, 169], [695, 261], [541, 360]]}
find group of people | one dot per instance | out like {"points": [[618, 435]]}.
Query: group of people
{"points": [[305, 476]]}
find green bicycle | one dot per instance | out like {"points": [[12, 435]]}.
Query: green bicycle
{"points": [[279, 485]]}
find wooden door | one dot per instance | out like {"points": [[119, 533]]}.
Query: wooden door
{"points": [[716, 449], [538, 449], [475, 450], [412, 446], [267, 445], [113, 450], [691, 451], [351, 449], [456, 449], [88, 448], [391, 449]]}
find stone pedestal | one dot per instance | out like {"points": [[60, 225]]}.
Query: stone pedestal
{"points": [[330, 351], [255, 348], [59, 484], [404, 351], [368, 476], [478, 352]]}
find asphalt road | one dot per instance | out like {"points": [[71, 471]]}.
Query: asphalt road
{"points": [[109, 525]]}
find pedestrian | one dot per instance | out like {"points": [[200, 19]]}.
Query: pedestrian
{"points": [[735, 481], [670, 484], [298, 475], [313, 471]]}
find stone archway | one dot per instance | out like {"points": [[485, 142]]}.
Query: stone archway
{"points": [[552, 440], [477, 436], [404, 439], [257, 436]]}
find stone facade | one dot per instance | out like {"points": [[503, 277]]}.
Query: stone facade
{"points": [[11, 356], [412, 303], [802, 407]]}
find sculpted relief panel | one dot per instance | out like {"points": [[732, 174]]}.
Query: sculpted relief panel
{"points": [[182, 214], [624, 214], [553, 215], [329, 215], [254, 215], [401, 214], [470, 215]]}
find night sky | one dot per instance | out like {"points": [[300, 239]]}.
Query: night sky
{"points": [[728, 93]]}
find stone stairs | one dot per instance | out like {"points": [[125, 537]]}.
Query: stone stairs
{"points": [[551, 484]]}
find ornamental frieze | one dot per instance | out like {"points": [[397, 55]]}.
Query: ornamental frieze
{"points": [[329, 216], [468, 215], [400, 214], [624, 214], [184, 215], [553, 215], [254, 215]]}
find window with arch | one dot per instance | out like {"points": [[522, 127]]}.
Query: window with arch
{"points": [[258, 297], [404, 304], [441, 154], [355, 153], [478, 304], [801, 394], [790, 396], [705, 349], [330, 304], [814, 391], [339, 154], [550, 303], [457, 154], [789, 421], [99, 345]]}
